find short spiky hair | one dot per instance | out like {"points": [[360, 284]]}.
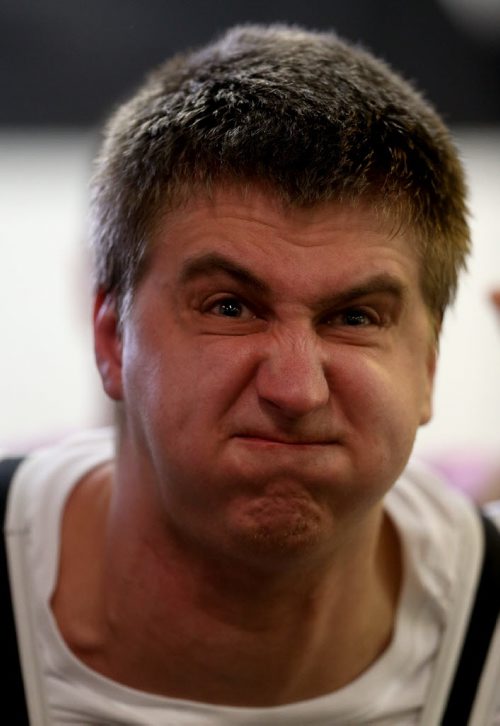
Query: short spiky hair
{"points": [[305, 113]]}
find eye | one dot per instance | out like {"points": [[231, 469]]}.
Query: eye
{"points": [[357, 317], [231, 307]]}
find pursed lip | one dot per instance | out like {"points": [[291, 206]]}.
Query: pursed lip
{"points": [[283, 440]]}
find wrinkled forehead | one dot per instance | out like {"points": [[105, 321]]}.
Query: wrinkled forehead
{"points": [[250, 226], [228, 199]]}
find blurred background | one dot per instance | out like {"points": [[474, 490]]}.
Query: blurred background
{"points": [[64, 64]]}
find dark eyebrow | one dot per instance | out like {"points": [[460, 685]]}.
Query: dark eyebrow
{"points": [[384, 283], [212, 263]]}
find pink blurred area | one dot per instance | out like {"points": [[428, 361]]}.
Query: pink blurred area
{"points": [[476, 474]]}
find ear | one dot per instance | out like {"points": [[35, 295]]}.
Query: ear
{"points": [[108, 344]]}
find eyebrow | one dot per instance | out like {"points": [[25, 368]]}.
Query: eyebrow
{"points": [[380, 284], [213, 263]]}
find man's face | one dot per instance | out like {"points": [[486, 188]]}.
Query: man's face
{"points": [[274, 369]]}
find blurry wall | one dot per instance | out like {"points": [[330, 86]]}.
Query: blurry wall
{"points": [[467, 397], [63, 66], [48, 385]]}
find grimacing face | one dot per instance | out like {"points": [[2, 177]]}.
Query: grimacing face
{"points": [[273, 370]]}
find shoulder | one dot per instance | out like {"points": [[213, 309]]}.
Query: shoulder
{"points": [[50, 473], [422, 492], [422, 497], [441, 535]]}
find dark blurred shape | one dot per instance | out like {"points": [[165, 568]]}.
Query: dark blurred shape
{"points": [[65, 62]]}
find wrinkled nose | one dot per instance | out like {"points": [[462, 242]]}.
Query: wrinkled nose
{"points": [[291, 376]]}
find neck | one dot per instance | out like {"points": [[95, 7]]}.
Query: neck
{"points": [[247, 636]]}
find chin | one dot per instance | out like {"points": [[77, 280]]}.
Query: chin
{"points": [[281, 526]]}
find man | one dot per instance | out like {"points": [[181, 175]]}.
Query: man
{"points": [[278, 223]]}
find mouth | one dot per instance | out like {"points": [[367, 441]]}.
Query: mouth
{"points": [[264, 439]]}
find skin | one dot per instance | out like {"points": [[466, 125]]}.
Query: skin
{"points": [[271, 375]]}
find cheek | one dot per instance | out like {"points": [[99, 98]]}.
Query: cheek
{"points": [[383, 402], [184, 385], [151, 386], [222, 368]]}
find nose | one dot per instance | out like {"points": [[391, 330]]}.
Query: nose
{"points": [[291, 375]]}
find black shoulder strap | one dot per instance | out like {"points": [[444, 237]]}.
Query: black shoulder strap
{"points": [[13, 696], [480, 630]]}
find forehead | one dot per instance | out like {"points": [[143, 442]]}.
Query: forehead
{"points": [[253, 226]]}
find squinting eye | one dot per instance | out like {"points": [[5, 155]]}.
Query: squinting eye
{"points": [[356, 318], [231, 308]]}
